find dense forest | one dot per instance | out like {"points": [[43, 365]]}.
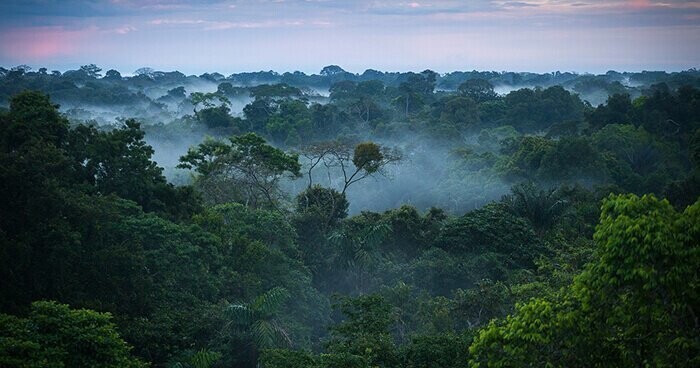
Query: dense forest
{"points": [[414, 220]]}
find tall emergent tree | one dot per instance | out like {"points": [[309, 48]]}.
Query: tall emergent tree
{"points": [[354, 163]]}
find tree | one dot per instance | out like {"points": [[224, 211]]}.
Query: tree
{"points": [[446, 350], [536, 110], [364, 333], [479, 90], [274, 92], [227, 89], [543, 208], [524, 156], [33, 118], [491, 227], [257, 321], [216, 117], [415, 91], [144, 71], [354, 163], [208, 100], [362, 340], [91, 70], [459, 111], [284, 358], [634, 305], [177, 92], [616, 110], [291, 121], [368, 157], [257, 114], [54, 335], [331, 70], [324, 203], [112, 75], [120, 162], [358, 248], [201, 359], [359, 99], [248, 162]]}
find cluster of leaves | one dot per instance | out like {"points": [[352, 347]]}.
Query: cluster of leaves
{"points": [[57, 336]]}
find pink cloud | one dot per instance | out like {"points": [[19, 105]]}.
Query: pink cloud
{"points": [[37, 43], [640, 4]]}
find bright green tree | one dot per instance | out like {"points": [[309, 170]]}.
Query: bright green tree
{"points": [[54, 335], [635, 305]]}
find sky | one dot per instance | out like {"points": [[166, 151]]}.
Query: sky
{"points": [[287, 35]]}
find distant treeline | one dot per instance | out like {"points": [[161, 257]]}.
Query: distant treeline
{"points": [[90, 77]]}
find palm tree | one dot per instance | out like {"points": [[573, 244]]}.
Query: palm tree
{"points": [[358, 248], [201, 359], [257, 321], [543, 208]]}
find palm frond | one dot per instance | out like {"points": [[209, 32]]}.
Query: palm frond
{"points": [[240, 314], [271, 301], [204, 358]]}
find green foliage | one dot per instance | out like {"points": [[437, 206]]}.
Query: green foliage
{"points": [[274, 91], [247, 163], [525, 156], [410, 233], [492, 228], [572, 159], [628, 308], [257, 319], [208, 99], [615, 111], [325, 204], [460, 111], [54, 335], [447, 350], [282, 358], [479, 90], [32, 119], [89, 219], [358, 248], [367, 157], [543, 208], [365, 332], [531, 110], [203, 358], [235, 220], [694, 149]]}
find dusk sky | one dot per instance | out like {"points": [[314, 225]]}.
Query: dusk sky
{"points": [[287, 35]]}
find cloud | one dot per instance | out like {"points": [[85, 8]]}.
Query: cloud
{"points": [[209, 25], [125, 29], [159, 22], [37, 43], [519, 4]]}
